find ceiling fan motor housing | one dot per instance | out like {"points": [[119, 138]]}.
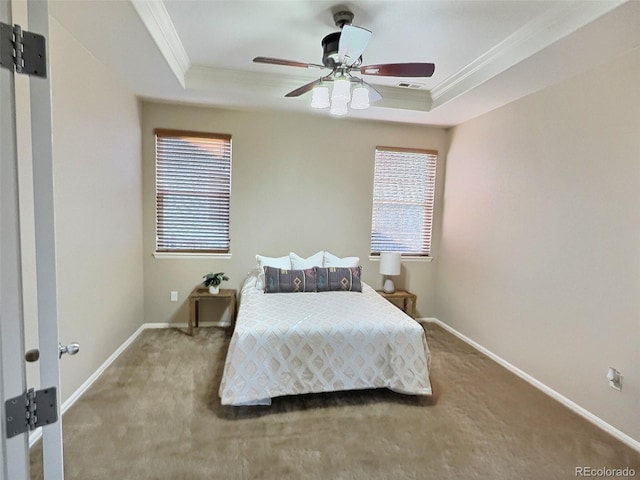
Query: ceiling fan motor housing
{"points": [[330, 43], [330, 50]]}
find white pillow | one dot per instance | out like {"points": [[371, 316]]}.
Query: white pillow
{"points": [[299, 263], [331, 260], [277, 262]]}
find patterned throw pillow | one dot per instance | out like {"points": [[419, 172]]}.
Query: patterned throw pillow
{"points": [[280, 280], [330, 279]]}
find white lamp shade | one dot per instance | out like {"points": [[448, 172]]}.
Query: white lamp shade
{"points": [[341, 90], [390, 263], [320, 97], [360, 98], [339, 107]]}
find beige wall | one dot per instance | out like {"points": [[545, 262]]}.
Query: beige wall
{"points": [[300, 183], [540, 257], [98, 207]]}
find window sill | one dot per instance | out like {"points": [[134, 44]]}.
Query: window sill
{"points": [[409, 259], [192, 256]]}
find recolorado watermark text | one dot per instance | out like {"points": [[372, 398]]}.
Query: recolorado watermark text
{"points": [[605, 472]]}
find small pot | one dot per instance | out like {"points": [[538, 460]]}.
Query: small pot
{"points": [[214, 289]]}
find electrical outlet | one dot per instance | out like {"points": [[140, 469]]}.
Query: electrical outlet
{"points": [[174, 296], [615, 379]]}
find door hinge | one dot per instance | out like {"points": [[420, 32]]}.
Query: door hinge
{"points": [[32, 409], [24, 52]]}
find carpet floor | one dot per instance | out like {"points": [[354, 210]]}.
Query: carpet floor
{"points": [[155, 414]]}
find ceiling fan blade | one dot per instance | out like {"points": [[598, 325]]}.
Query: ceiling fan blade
{"points": [[286, 63], [353, 41], [303, 89], [399, 69]]}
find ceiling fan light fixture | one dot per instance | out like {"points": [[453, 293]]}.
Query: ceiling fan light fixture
{"points": [[341, 90], [339, 107], [320, 98], [360, 98]]}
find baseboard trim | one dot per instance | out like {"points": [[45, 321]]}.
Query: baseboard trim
{"points": [[623, 437], [185, 325]]}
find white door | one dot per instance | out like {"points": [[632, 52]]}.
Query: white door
{"points": [[14, 450], [12, 370]]}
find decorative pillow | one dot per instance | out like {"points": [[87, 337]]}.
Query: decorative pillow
{"points": [[280, 280], [299, 263], [338, 278], [331, 260], [277, 262]]}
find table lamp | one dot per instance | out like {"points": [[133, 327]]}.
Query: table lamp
{"points": [[389, 266]]}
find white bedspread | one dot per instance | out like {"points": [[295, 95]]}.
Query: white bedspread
{"points": [[293, 343]]}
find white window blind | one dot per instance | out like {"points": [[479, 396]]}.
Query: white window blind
{"points": [[403, 194], [193, 191]]}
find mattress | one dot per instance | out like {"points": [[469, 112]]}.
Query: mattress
{"points": [[295, 343]]}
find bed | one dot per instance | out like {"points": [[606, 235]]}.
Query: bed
{"points": [[296, 343]]}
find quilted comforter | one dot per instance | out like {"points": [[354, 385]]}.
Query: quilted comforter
{"points": [[294, 343]]}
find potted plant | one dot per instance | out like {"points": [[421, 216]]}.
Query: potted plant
{"points": [[213, 281]]}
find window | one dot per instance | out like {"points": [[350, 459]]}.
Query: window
{"points": [[193, 192], [403, 193]]}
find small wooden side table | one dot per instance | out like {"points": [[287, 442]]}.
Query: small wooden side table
{"points": [[203, 292], [406, 297]]}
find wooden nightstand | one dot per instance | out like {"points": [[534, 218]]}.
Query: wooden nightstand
{"points": [[406, 297], [203, 292]]}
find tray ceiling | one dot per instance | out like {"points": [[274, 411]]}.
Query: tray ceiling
{"points": [[487, 53]]}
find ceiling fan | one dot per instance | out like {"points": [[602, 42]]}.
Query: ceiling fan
{"points": [[342, 53]]}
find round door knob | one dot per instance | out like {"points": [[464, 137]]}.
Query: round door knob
{"points": [[70, 349]]}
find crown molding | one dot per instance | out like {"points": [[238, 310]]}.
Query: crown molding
{"points": [[156, 18], [535, 36]]}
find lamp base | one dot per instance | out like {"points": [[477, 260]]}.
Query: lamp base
{"points": [[388, 286]]}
